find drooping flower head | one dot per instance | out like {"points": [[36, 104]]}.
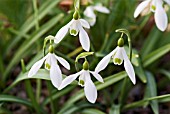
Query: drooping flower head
{"points": [[118, 56], [75, 27], [51, 64], [84, 81], [155, 6], [90, 12]]}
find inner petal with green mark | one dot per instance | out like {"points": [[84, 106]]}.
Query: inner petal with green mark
{"points": [[153, 7], [47, 66], [117, 61], [81, 82], [73, 32]]}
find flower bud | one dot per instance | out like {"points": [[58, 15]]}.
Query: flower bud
{"points": [[51, 49], [86, 65], [120, 42]]}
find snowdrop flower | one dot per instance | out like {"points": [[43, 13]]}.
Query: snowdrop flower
{"points": [[91, 16], [155, 6], [50, 64], [85, 81], [118, 55], [75, 26]]}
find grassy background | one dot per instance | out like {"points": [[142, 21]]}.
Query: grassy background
{"points": [[24, 24]]}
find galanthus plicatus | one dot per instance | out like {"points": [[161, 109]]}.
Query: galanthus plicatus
{"points": [[155, 6], [118, 55], [85, 81], [90, 13], [51, 64], [75, 26]]}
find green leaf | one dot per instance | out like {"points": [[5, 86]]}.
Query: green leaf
{"points": [[161, 98], [15, 13], [140, 71], [107, 82], [166, 73], [115, 109], [58, 94], [41, 74], [91, 111], [153, 56], [30, 22], [9, 98], [20, 52], [151, 91], [150, 42]]}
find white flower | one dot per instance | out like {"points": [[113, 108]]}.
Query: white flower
{"points": [[50, 64], [75, 26], [85, 81], [118, 55], [91, 16], [156, 6]]}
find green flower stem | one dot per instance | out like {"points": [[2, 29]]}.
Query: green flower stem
{"points": [[82, 55], [77, 4], [75, 52]]}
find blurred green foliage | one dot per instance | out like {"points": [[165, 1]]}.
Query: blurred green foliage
{"points": [[21, 39]]}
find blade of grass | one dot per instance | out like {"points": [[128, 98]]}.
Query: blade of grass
{"points": [[153, 56], [19, 54], [9, 98], [30, 22]]}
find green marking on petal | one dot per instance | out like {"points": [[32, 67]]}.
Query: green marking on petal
{"points": [[81, 82], [153, 7], [117, 61], [73, 32], [47, 66]]}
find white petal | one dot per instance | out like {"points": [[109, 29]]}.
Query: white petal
{"points": [[68, 80], [101, 9], [55, 74], [128, 67], [36, 66], [82, 78], [62, 32], [48, 62], [104, 62], [97, 76], [74, 27], [84, 23], [90, 89], [84, 39], [63, 62], [118, 55], [141, 7], [167, 1], [89, 12], [161, 18], [91, 20]]}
